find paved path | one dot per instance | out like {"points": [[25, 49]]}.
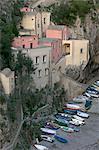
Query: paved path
{"points": [[86, 139]]}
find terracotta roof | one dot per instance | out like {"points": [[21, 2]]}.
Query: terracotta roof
{"points": [[56, 27], [7, 72]]}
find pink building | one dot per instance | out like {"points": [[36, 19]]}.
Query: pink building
{"points": [[25, 41], [25, 9], [56, 45], [58, 31]]}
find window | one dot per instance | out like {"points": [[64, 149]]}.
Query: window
{"points": [[44, 59], [81, 50], [23, 46], [46, 72], [37, 60], [44, 21], [38, 25], [31, 45], [66, 48], [32, 19], [39, 73]]}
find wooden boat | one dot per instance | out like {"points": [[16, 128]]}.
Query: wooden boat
{"points": [[60, 139], [47, 138], [78, 118], [73, 122], [51, 127], [58, 116], [48, 131], [71, 112], [76, 129], [67, 129], [62, 122], [72, 106], [82, 114], [78, 121], [40, 147]]}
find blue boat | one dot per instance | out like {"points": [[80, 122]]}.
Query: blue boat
{"points": [[60, 139], [71, 112], [58, 116], [51, 127]]}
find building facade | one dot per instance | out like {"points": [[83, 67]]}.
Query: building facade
{"points": [[56, 45], [76, 52], [25, 41], [58, 31], [7, 80], [41, 57], [36, 21]]}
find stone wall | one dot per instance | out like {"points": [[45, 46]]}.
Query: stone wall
{"points": [[72, 87]]}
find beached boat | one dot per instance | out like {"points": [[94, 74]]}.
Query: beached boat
{"points": [[51, 127], [78, 121], [72, 106], [47, 138], [80, 99], [62, 122], [48, 131], [67, 129], [76, 129], [60, 139], [40, 147], [82, 114], [78, 118], [71, 112], [62, 117]]}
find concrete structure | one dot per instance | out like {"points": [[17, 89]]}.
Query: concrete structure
{"points": [[26, 32], [58, 31], [25, 41], [7, 80], [36, 21], [76, 52], [41, 57], [56, 45]]}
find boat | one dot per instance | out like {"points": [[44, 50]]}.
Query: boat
{"points": [[72, 106], [80, 99], [47, 138], [62, 117], [78, 121], [62, 122], [82, 114], [71, 112], [48, 131], [60, 139], [40, 147], [67, 129], [78, 118], [51, 127], [76, 129]]}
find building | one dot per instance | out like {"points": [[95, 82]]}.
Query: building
{"points": [[56, 45], [26, 32], [41, 57], [25, 41], [58, 31], [36, 21], [7, 80], [76, 52]]}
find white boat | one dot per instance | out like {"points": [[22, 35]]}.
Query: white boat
{"points": [[47, 138], [78, 118], [72, 106], [74, 123], [40, 147], [82, 114], [80, 99], [48, 131], [78, 121]]}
